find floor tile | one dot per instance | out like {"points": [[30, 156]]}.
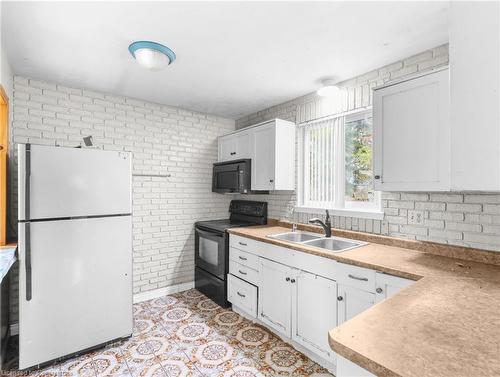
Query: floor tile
{"points": [[188, 335]]}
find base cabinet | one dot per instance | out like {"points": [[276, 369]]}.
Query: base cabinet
{"points": [[352, 301], [346, 368], [314, 312], [388, 285], [274, 308]]}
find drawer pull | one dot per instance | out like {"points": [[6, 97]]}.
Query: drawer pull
{"points": [[241, 294], [357, 278], [242, 243], [242, 258], [242, 272], [379, 290]]}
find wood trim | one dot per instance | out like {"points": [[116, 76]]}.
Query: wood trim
{"points": [[4, 153]]}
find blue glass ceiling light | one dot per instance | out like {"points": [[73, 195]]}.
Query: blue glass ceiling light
{"points": [[151, 55]]}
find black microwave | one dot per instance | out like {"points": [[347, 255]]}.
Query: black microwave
{"points": [[232, 176]]}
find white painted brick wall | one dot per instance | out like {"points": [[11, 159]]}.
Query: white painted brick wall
{"points": [[163, 140], [455, 218]]}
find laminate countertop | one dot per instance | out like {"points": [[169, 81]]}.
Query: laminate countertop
{"points": [[446, 324]]}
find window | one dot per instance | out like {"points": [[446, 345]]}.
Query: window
{"points": [[335, 171]]}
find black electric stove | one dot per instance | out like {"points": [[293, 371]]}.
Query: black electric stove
{"points": [[212, 247]]}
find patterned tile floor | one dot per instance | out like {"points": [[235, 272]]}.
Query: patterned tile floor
{"points": [[187, 334]]}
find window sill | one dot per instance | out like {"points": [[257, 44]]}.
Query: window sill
{"points": [[373, 214]]}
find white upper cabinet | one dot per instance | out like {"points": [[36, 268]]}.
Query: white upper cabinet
{"points": [[475, 95], [411, 133], [271, 147], [234, 146]]}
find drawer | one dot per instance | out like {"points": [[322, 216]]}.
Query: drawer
{"points": [[242, 243], [242, 294], [244, 258], [244, 272], [356, 277]]}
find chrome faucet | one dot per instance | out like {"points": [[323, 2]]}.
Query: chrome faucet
{"points": [[327, 225]]}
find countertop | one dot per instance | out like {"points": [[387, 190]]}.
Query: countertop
{"points": [[446, 324], [7, 259]]}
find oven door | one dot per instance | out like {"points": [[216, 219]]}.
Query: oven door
{"points": [[210, 252]]}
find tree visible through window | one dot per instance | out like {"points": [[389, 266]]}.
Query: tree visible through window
{"points": [[358, 161]]}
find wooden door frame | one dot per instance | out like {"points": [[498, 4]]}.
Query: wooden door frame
{"points": [[4, 153]]}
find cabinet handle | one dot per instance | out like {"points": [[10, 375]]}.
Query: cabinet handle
{"points": [[377, 177], [357, 278], [241, 294], [242, 244], [232, 153], [242, 272], [271, 180], [340, 298], [379, 290], [292, 281], [287, 279], [242, 258]]}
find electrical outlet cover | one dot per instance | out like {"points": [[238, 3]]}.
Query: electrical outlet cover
{"points": [[416, 217]]}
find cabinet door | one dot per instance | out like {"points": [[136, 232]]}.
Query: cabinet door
{"points": [[242, 145], [314, 311], [227, 148], [275, 295], [263, 157], [388, 285], [411, 134], [351, 302]]}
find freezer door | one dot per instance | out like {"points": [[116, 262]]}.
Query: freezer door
{"points": [[56, 182], [81, 286]]}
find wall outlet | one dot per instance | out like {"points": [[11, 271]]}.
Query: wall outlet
{"points": [[416, 217]]}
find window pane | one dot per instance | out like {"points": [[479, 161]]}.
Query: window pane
{"points": [[358, 161]]}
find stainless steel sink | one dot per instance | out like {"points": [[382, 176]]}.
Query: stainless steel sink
{"points": [[334, 244], [298, 237]]}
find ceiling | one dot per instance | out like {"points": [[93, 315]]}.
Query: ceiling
{"points": [[233, 58]]}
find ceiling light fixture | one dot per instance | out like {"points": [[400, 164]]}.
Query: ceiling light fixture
{"points": [[151, 55], [329, 89]]}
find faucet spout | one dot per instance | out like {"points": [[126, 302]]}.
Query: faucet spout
{"points": [[327, 225]]}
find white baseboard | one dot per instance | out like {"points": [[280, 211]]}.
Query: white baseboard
{"points": [[155, 293], [139, 297]]}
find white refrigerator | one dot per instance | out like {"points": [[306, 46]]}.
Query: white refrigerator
{"points": [[75, 250]]}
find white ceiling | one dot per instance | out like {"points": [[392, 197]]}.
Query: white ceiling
{"points": [[232, 58]]}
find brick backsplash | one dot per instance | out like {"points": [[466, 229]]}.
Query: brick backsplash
{"points": [[466, 219], [162, 139]]}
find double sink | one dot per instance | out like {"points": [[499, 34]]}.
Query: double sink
{"points": [[332, 244]]}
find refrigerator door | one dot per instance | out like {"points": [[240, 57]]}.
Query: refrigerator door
{"points": [[57, 182], [81, 286]]}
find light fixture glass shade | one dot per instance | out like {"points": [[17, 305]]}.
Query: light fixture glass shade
{"points": [[328, 91], [151, 59], [151, 55]]}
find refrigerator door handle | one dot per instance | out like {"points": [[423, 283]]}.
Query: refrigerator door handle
{"points": [[27, 236], [27, 262], [27, 182]]}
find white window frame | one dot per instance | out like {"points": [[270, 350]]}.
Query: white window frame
{"points": [[339, 207]]}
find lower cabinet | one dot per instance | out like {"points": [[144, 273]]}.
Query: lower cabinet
{"points": [[388, 285], [304, 306], [346, 368], [242, 294], [275, 295], [352, 301], [314, 312]]}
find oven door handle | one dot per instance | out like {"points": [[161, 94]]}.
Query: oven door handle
{"points": [[206, 234]]}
